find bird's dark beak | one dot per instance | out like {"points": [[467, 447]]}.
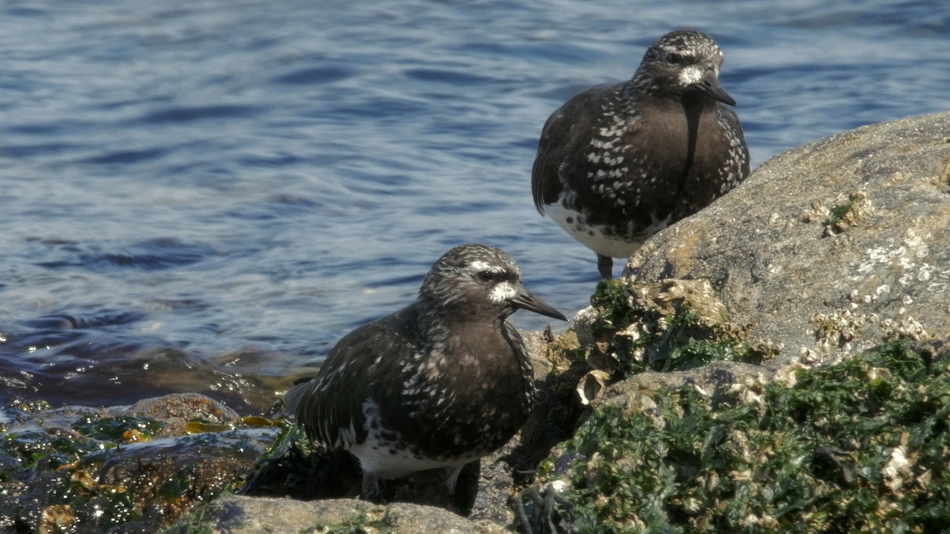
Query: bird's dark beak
{"points": [[711, 86], [527, 300]]}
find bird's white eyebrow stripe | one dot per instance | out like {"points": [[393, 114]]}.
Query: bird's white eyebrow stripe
{"points": [[478, 265]]}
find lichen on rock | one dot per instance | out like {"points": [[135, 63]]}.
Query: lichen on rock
{"points": [[856, 223]]}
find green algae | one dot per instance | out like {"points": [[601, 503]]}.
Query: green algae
{"points": [[838, 213], [857, 447], [118, 428], [616, 305], [96, 473], [644, 332], [176, 486], [692, 341], [30, 448], [361, 523], [190, 524], [847, 213]]}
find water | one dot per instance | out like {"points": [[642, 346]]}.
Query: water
{"points": [[206, 195]]}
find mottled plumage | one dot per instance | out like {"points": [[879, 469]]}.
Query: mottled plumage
{"points": [[618, 163], [440, 383]]}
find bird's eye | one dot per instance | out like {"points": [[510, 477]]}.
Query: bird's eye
{"points": [[485, 276], [675, 58]]}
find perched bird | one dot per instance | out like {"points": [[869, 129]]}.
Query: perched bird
{"points": [[618, 163], [440, 383]]}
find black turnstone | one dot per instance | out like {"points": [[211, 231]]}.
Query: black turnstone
{"points": [[618, 163], [440, 383]]}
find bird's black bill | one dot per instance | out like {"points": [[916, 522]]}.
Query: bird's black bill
{"points": [[711, 86], [527, 300]]}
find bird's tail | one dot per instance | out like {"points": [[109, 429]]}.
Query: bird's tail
{"points": [[293, 396]]}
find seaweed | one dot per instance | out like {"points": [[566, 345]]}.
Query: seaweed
{"points": [[856, 447]]}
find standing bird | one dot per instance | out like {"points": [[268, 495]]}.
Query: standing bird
{"points": [[618, 163], [440, 383]]}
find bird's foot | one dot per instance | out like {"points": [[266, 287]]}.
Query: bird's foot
{"points": [[544, 511], [375, 490]]}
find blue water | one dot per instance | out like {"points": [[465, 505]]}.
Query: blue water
{"points": [[205, 195]]}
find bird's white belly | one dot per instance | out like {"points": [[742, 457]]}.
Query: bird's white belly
{"points": [[377, 458], [593, 236]]}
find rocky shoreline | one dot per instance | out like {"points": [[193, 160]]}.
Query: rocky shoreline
{"points": [[777, 362]]}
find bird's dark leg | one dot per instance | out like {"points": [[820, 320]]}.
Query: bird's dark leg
{"points": [[452, 477], [606, 267], [545, 517], [371, 491], [464, 490], [536, 510], [520, 516]]}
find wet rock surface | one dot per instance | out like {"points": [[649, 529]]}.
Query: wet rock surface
{"points": [[120, 469]]}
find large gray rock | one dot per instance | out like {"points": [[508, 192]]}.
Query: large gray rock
{"points": [[829, 248], [250, 515]]}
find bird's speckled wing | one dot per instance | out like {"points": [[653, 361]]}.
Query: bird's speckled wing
{"points": [[730, 121], [589, 149], [331, 406], [567, 128]]}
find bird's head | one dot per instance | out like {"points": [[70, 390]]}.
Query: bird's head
{"points": [[480, 280], [684, 63]]}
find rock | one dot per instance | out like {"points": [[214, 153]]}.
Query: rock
{"points": [[711, 380], [176, 410], [853, 444], [829, 249], [249, 515], [672, 333], [167, 477], [120, 469]]}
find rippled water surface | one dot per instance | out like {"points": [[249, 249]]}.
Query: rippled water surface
{"points": [[204, 196]]}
